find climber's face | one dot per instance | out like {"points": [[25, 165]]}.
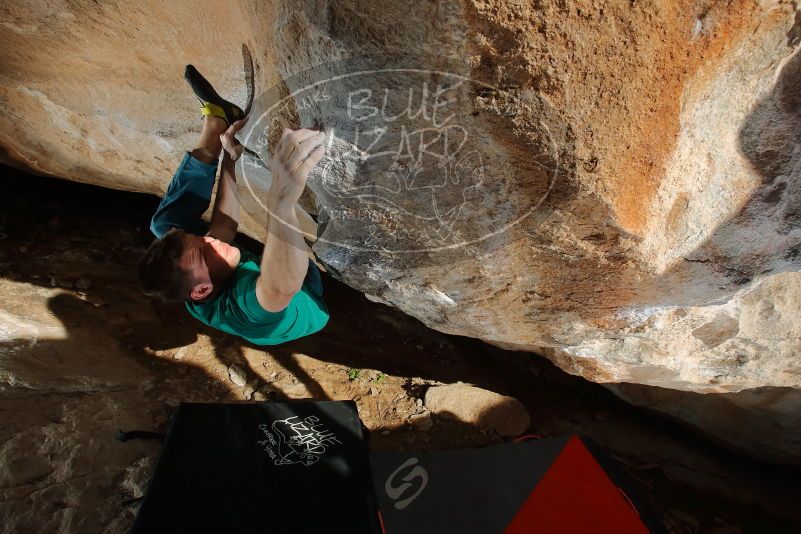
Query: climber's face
{"points": [[209, 262]]}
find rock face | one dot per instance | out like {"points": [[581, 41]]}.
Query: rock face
{"points": [[620, 187]]}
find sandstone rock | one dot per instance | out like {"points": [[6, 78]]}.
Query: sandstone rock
{"points": [[267, 392], [66, 386], [637, 215], [269, 389], [421, 421], [237, 375], [297, 390], [504, 415]]}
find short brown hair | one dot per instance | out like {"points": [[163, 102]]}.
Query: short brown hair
{"points": [[160, 273]]}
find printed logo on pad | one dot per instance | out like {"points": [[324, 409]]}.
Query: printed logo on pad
{"points": [[297, 441], [399, 492]]}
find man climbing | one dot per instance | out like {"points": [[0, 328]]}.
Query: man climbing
{"points": [[268, 301]]}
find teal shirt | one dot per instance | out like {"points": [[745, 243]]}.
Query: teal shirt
{"points": [[237, 311]]}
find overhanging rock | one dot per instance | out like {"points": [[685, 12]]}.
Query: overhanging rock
{"points": [[628, 199]]}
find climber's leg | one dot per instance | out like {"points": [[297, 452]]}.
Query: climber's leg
{"points": [[208, 146], [189, 193]]}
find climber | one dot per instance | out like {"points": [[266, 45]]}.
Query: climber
{"points": [[268, 301]]}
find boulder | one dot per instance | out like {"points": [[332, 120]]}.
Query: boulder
{"points": [[617, 185], [486, 409]]}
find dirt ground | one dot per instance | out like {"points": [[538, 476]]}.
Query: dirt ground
{"points": [[83, 353]]}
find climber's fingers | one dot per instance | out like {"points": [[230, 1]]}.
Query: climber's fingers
{"points": [[236, 126], [290, 142], [311, 161], [311, 141], [229, 141]]}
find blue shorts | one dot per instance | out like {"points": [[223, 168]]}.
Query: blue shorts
{"points": [[187, 198]]}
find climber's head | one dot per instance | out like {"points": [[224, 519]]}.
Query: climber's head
{"points": [[180, 267]]}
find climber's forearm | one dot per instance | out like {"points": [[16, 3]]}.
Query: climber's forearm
{"points": [[225, 214], [285, 260]]}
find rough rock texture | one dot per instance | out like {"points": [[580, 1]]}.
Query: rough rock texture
{"points": [[639, 161], [488, 410]]}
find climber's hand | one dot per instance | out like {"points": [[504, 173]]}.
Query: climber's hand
{"points": [[229, 141], [297, 154]]}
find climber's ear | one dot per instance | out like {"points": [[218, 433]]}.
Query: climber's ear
{"points": [[201, 291]]}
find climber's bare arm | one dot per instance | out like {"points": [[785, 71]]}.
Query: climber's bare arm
{"points": [[225, 214], [285, 259]]}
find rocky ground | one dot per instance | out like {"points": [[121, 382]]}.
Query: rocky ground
{"points": [[83, 353]]}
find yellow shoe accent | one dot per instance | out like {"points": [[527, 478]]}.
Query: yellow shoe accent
{"points": [[214, 110]]}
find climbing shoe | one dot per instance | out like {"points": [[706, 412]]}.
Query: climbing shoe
{"points": [[212, 103]]}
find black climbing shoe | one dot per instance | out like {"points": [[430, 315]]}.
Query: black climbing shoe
{"points": [[212, 103]]}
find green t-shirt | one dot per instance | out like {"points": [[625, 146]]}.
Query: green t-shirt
{"points": [[237, 311]]}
